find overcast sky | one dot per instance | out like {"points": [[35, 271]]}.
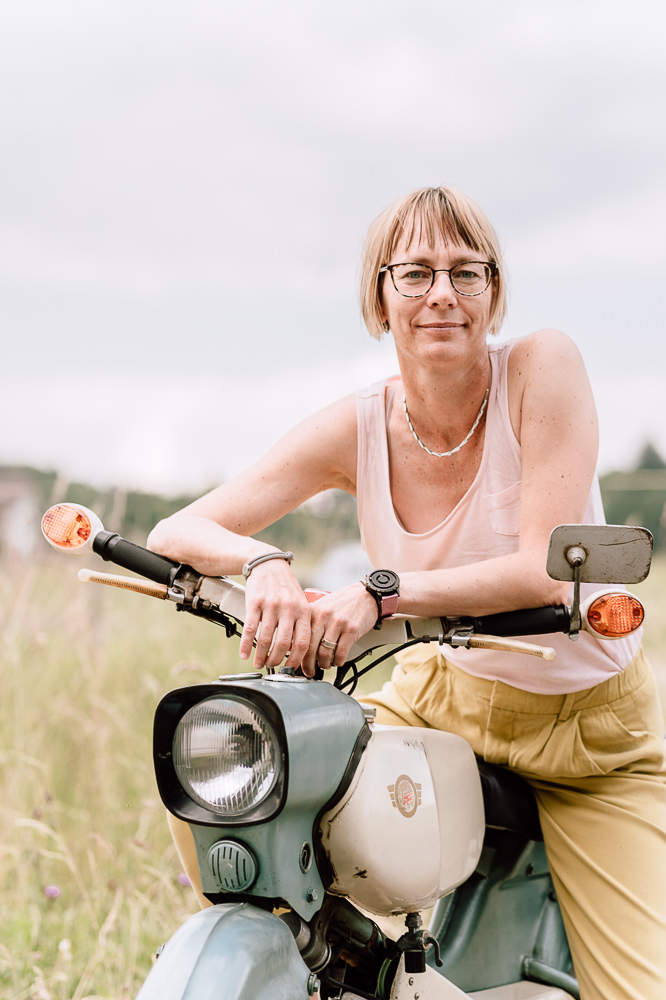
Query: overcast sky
{"points": [[185, 186]]}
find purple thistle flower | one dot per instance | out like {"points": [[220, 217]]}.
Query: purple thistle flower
{"points": [[52, 891], [183, 879]]}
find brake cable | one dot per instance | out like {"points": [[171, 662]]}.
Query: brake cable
{"points": [[342, 682]]}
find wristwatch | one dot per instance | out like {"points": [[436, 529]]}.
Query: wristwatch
{"points": [[384, 586]]}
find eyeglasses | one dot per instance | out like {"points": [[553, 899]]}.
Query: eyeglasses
{"points": [[472, 277]]}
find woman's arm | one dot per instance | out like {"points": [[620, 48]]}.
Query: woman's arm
{"points": [[554, 418], [214, 534]]}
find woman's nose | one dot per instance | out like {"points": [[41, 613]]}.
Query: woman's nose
{"points": [[441, 290]]}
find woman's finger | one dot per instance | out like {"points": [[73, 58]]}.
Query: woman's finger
{"points": [[320, 652], [300, 642], [248, 635], [264, 641], [283, 639]]}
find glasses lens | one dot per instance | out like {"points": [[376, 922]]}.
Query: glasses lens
{"points": [[412, 279], [470, 278]]}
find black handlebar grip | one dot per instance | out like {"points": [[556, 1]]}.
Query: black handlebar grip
{"points": [[116, 549], [530, 621]]}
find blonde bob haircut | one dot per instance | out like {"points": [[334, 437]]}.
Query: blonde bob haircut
{"points": [[423, 216]]}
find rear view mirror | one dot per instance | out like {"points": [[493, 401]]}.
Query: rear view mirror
{"points": [[603, 553]]}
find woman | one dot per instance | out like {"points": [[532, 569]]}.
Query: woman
{"points": [[462, 466]]}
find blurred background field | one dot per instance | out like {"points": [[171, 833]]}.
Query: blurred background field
{"points": [[90, 884], [89, 881]]}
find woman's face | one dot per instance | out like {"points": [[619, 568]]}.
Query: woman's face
{"points": [[441, 326]]}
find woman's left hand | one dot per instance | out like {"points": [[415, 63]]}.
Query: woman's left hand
{"points": [[338, 620]]}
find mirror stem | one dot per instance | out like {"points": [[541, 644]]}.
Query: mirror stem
{"points": [[575, 556]]}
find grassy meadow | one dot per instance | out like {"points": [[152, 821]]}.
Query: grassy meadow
{"points": [[89, 880], [90, 883]]}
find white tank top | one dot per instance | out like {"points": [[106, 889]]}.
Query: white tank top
{"points": [[483, 525]]}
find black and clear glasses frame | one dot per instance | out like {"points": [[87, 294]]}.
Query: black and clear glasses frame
{"points": [[490, 267]]}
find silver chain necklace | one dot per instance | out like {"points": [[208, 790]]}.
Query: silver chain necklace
{"points": [[444, 454]]}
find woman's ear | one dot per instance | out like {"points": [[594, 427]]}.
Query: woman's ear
{"points": [[383, 315], [380, 300], [494, 284], [384, 318]]}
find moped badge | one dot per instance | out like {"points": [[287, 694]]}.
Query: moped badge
{"points": [[405, 795]]}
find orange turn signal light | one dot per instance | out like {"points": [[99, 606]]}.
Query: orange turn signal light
{"points": [[67, 526], [615, 615]]}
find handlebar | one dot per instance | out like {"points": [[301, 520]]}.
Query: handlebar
{"points": [[116, 549], [220, 600], [607, 614], [227, 596], [530, 621]]}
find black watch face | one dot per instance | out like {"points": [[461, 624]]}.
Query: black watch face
{"points": [[384, 581]]}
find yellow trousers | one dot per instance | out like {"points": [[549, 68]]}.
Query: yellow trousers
{"points": [[596, 762]]}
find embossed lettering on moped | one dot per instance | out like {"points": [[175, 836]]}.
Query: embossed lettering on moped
{"points": [[405, 795]]}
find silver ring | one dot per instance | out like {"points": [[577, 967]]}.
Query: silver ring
{"points": [[327, 644]]}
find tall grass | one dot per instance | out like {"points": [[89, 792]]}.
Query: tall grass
{"points": [[90, 883], [89, 880], [652, 593]]}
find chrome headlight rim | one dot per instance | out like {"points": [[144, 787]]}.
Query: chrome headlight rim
{"points": [[173, 707]]}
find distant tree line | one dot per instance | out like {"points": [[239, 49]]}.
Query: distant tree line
{"points": [[637, 496], [310, 530]]}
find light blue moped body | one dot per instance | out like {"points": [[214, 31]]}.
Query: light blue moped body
{"points": [[232, 951]]}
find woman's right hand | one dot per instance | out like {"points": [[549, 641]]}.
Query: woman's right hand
{"points": [[277, 617]]}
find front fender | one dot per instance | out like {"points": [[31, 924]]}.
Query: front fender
{"points": [[232, 950]]}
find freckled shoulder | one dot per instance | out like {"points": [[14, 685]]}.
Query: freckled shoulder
{"points": [[323, 446], [539, 351], [541, 363]]}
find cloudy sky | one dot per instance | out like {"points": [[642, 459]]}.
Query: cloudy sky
{"points": [[185, 186]]}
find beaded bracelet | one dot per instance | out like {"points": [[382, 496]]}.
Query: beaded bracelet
{"points": [[249, 566]]}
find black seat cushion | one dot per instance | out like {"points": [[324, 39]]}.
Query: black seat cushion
{"points": [[509, 801]]}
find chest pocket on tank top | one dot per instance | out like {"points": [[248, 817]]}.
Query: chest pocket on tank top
{"points": [[504, 510]]}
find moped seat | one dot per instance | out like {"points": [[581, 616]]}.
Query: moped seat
{"points": [[509, 801]]}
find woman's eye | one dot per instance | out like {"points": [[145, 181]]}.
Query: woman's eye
{"points": [[469, 272]]}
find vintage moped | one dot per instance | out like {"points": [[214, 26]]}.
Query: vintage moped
{"points": [[312, 822]]}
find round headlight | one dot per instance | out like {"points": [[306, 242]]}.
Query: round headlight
{"points": [[227, 755]]}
